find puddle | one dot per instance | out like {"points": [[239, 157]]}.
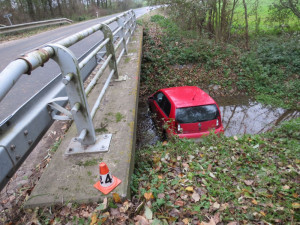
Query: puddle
{"points": [[240, 115]]}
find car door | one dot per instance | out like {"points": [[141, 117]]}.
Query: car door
{"points": [[162, 109]]}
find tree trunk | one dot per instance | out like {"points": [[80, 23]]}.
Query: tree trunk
{"points": [[246, 27], [51, 8], [231, 18], [59, 8], [30, 9]]}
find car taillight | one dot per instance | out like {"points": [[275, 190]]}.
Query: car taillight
{"points": [[179, 129]]}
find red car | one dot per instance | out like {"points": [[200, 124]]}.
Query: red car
{"points": [[186, 111]]}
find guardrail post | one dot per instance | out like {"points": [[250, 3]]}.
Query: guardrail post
{"points": [[121, 24], [134, 21], [132, 24], [75, 91], [110, 50]]}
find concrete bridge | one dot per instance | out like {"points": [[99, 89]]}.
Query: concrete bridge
{"points": [[102, 133], [71, 178]]}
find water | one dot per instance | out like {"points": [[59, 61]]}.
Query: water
{"points": [[240, 115]]}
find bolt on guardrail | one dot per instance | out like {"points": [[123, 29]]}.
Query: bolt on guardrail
{"points": [[23, 129]]}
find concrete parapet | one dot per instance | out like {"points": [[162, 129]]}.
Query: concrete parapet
{"points": [[71, 178]]}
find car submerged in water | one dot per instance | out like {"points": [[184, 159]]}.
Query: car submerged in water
{"points": [[187, 112]]}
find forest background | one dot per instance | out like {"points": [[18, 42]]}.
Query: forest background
{"points": [[78, 10]]}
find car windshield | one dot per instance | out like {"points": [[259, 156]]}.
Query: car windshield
{"points": [[197, 114]]}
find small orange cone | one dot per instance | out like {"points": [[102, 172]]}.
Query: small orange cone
{"points": [[107, 182]]}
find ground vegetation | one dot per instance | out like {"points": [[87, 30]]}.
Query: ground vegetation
{"points": [[248, 179]]}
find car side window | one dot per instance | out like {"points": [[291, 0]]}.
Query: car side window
{"points": [[163, 102]]}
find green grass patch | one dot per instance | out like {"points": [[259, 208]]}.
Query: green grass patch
{"points": [[91, 162], [55, 146], [118, 117]]}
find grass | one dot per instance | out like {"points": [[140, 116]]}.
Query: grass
{"points": [[55, 146], [91, 162], [118, 117], [265, 24], [248, 179]]}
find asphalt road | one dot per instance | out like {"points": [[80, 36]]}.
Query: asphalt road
{"points": [[28, 85]]}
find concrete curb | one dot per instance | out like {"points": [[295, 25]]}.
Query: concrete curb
{"points": [[71, 179]]}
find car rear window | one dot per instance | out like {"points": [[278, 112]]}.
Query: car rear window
{"points": [[197, 114]]}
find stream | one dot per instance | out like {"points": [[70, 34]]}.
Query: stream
{"points": [[240, 115]]}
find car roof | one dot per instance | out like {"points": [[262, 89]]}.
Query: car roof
{"points": [[187, 96]]}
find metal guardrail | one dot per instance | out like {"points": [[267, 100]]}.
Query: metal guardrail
{"points": [[20, 132], [32, 25]]}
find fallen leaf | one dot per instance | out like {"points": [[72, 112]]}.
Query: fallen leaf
{"points": [[211, 222], [212, 175], [115, 212], [191, 157], [296, 205], [104, 217], [141, 220], [164, 143], [262, 213], [65, 211], [295, 195], [125, 207], [232, 223], [156, 159], [116, 197], [224, 206], [148, 196], [190, 189], [94, 219], [286, 187], [85, 214], [161, 195], [185, 221], [216, 205], [280, 208], [235, 138], [148, 213], [160, 177], [217, 218], [179, 203], [254, 201], [184, 197], [209, 167], [195, 196], [103, 205], [185, 166], [248, 182]]}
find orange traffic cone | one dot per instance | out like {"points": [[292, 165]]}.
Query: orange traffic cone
{"points": [[107, 182]]}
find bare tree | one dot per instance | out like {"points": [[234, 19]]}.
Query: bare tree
{"points": [[246, 25]]}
